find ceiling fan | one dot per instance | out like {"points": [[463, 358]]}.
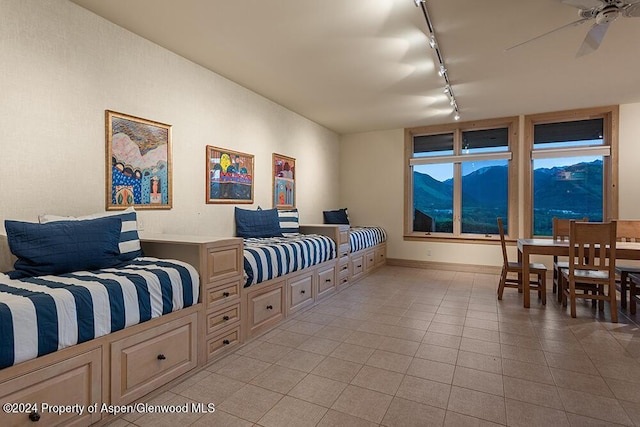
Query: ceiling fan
{"points": [[603, 12]]}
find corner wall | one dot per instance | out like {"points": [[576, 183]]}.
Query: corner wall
{"points": [[63, 66]]}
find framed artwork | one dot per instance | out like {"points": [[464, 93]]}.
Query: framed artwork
{"points": [[229, 176], [138, 163], [284, 181]]}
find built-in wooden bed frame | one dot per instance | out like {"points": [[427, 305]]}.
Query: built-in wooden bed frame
{"points": [[120, 368]]}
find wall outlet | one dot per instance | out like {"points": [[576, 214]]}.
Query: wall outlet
{"points": [[428, 252]]}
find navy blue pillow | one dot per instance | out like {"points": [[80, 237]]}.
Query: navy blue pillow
{"points": [[63, 246], [260, 223], [338, 216]]}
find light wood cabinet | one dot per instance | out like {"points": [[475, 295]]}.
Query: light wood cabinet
{"points": [[265, 306], [219, 262], [301, 292], [74, 381], [326, 281]]}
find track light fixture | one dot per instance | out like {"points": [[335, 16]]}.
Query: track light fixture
{"points": [[442, 71]]}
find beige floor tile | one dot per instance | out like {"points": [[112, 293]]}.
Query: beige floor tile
{"points": [[444, 340], [477, 404], [407, 322], [594, 384], [340, 419], [337, 369], [221, 419], [407, 413], [301, 360], [319, 390], [453, 419], [305, 327], [319, 345], [582, 421], [633, 411], [389, 361], [520, 341], [214, 388], [378, 379], [532, 392], [322, 319], [352, 352], [250, 402], [481, 334], [424, 391], [527, 371], [478, 380], [437, 353], [268, 352], [525, 415], [446, 328], [289, 339], [624, 390], [480, 362], [590, 405], [431, 370], [293, 412], [278, 378], [490, 348], [363, 403], [400, 346], [243, 368], [343, 322], [334, 333], [365, 339]]}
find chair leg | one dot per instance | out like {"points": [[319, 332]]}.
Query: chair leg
{"points": [[503, 281], [623, 289], [542, 282], [632, 300], [612, 301], [555, 280], [560, 287], [572, 298]]}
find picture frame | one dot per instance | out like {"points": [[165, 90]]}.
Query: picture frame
{"points": [[284, 181], [229, 176], [138, 163]]}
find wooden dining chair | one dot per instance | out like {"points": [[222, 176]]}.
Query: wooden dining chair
{"points": [[591, 268], [509, 267], [626, 231], [561, 234]]}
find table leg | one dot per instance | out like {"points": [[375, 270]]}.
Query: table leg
{"points": [[525, 277]]}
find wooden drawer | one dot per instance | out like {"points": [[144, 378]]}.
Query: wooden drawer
{"points": [[343, 251], [326, 281], [222, 342], [74, 381], [344, 236], [220, 319], [223, 262], [300, 291], [369, 260], [343, 268], [381, 255], [266, 306], [216, 296], [357, 265], [145, 361]]}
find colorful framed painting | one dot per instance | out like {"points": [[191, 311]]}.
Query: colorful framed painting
{"points": [[138, 163], [284, 181], [229, 176]]}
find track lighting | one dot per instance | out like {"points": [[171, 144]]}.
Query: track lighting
{"points": [[442, 71]]}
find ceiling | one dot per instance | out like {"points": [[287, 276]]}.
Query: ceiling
{"points": [[365, 65]]}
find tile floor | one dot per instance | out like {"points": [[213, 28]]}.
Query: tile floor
{"points": [[411, 347]]}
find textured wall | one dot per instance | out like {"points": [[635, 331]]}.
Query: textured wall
{"points": [[63, 66]]}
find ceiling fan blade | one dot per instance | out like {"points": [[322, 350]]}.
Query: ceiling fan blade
{"points": [[631, 10], [593, 39], [584, 4], [571, 24]]}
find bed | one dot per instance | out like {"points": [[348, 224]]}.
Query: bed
{"points": [[85, 318], [364, 237]]}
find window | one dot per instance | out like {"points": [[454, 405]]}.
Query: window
{"points": [[571, 173], [460, 178]]}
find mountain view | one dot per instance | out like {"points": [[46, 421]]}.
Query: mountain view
{"points": [[572, 191]]}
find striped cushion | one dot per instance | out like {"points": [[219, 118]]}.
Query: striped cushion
{"points": [[365, 237], [129, 239], [289, 221]]}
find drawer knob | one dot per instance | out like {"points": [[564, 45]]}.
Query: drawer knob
{"points": [[225, 317], [225, 342], [302, 291], [161, 356], [225, 294], [327, 280], [34, 416], [359, 265], [269, 307]]}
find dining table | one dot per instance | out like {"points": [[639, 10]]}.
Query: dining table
{"points": [[528, 247]]}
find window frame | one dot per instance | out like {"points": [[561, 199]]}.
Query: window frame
{"points": [[513, 126], [610, 116]]}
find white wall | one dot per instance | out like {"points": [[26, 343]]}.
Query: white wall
{"points": [[372, 171], [62, 67]]}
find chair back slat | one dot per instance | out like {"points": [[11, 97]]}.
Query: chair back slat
{"points": [[592, 246], [503, 243], [561, 228]]}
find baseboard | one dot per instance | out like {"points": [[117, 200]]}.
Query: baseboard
{"points": [[431, 265]]}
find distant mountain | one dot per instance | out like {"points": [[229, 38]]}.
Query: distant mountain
{"points": [[581, 182], [429, 193]]}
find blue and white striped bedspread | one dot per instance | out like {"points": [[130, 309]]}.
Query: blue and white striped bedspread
{"points": [[270, 257], [39, 315], [365, 237]]}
